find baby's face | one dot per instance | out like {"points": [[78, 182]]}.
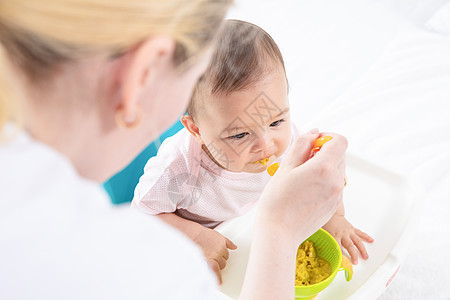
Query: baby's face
{"points": [[247, 126]]}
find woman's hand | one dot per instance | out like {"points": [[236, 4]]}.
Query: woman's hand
{"points": [[305, 192], [301, 197], [215, 248]]}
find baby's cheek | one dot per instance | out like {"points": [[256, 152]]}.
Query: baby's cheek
{"points": [[240, 162], [230, 160], [283, 144]]}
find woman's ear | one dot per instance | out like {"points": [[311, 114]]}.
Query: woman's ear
{"points": [[189, 124], [140, 66]]}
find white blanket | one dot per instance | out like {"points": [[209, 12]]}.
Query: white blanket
{"points": [[398, 114]]}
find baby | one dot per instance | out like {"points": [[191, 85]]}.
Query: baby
{"points": [[238, 123]]}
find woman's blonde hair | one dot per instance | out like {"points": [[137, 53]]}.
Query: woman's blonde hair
{"points": [[40, 35]]}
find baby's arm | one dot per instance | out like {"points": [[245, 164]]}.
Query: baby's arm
{"points": [[214, 245], [348, 236]]}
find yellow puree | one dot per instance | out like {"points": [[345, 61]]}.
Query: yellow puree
{"points": [[310, 268], [262, 161]]}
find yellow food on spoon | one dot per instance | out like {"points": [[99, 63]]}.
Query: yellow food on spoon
{"points": [[317, 146], [319, 142]]}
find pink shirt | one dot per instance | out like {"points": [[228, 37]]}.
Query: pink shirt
{"points": [[182, 178]]}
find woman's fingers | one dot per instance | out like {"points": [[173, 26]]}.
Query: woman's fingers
{"points": [[341, 167], [334, 150], [300, 151], [313, 131], [306, 191]]}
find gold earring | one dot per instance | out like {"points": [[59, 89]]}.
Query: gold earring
{"points": [[122, 123]]}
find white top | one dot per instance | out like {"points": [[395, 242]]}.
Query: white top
{"points": [[182, 178], [60, 238]]}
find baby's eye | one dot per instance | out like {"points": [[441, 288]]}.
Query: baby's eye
{"points": [[276, 123], [238, 136]]}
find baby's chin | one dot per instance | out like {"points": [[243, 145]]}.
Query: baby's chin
{"points": [[256, 171], [253, 167], [257, 167]]}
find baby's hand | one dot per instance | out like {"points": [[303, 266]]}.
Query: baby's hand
{"points": [[348, 236], [215, 247]]}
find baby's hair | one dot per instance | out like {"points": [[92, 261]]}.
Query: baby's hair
{"points": [[244, 54]]}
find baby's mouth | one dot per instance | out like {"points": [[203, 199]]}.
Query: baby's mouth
{"points": [[263, 161]]}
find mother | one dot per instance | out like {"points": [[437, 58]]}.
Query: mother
{"points": [[85, 86]]}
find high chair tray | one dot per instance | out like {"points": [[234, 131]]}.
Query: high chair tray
{"points": [[378, 201]]}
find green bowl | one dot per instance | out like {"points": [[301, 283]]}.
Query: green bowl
{"points": [[327, 248]]}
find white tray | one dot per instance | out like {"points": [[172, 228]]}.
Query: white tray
{"points": [[378, 201]]}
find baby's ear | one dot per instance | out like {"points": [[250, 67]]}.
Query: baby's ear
{"points": [[189, 124]]}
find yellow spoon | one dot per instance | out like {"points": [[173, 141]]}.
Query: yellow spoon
{"points": [[317, 145]]}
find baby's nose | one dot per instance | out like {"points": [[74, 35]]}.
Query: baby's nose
{"points": [[266, 144]]}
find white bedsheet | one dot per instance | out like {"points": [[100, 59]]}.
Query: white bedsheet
{"points": [[326, 44], [397, 114], [369, 70]]}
